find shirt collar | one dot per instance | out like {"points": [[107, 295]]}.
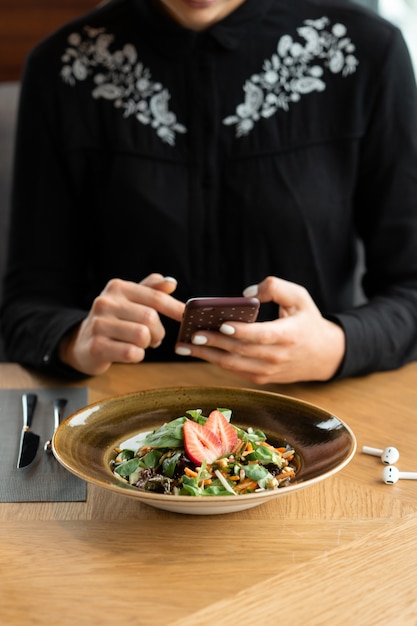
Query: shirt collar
{"points": [[168, 35]]}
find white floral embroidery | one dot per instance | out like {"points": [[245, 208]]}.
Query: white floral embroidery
{"points": [[121, 78], [295, 70]]}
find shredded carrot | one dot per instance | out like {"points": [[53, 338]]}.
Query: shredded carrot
{"points": [[289, 474], [267, 445], [247, 481], [227, 476], [248, 449], [192, 474], [247, 485]]}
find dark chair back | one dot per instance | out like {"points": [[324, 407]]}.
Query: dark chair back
{"points": [[9, 93]]}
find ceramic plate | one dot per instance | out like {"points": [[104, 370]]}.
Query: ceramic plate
{"points": [[85, 442]]}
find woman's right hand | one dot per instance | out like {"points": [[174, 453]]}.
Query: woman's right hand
{"points": [[122, 323]]}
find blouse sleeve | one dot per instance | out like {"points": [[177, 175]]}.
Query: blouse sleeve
{"points": [[43, 278], [382, 334]]}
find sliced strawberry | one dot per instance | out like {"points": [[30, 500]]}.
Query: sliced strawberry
{"points": [[200, 443], [218, 424]]}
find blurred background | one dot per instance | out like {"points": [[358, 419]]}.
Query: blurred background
{"points": [[404, 14]]}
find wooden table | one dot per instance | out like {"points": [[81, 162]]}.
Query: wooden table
{"points": [[342, 552]]}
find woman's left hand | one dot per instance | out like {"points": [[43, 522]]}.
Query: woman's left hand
{"points": [[300, 345]]}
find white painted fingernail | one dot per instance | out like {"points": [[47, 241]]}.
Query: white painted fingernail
{"points": [[170, 279], [226, 329], [182, 351], [199, 340], [251, 291]]}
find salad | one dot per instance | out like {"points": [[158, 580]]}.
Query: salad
{"points": [[196, 455]]}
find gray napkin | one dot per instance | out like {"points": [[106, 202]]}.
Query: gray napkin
{"points": [[45, 480]]}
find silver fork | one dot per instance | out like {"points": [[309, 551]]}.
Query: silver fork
{"points": [[59, 406]]}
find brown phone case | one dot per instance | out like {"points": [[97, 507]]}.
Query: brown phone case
{"points": [[210, 313]]}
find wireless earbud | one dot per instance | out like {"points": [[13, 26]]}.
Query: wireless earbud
{"points": [[388, 456], [391, 475]]}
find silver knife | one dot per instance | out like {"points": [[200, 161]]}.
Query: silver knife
{"points": [[29, 441]]}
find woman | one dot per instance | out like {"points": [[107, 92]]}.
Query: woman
{"points": [[238, 146]]}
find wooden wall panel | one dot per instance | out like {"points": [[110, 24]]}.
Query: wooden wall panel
{"points": [[25, 22]]}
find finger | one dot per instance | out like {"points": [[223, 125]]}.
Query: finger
{"points": [[133, 333], [123, 320], [283, 292], [109, 350], [152, 279], [277, 332], [248, 366], [164, 303], [249, 339], [167, 284], [144, 294], [259, 333]]}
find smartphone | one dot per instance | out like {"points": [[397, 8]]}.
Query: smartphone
{"points": [[210, 313]]}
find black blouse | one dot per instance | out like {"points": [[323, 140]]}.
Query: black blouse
{"points": [[267, 145]]}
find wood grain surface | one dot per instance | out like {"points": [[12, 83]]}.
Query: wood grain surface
{"points": [[341, 552]]}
